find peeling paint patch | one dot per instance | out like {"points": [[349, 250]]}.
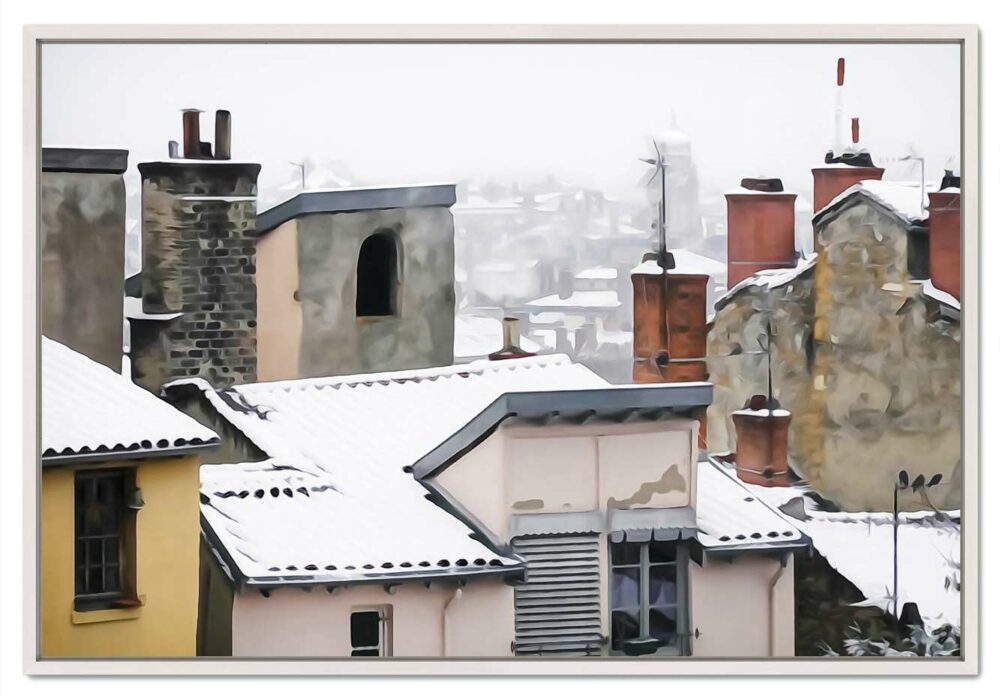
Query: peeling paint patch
{"points": [[530, 504], [671, 481]]}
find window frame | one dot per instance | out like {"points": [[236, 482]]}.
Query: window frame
{"points": [[126, 595], [681, 562], [384, 646]]}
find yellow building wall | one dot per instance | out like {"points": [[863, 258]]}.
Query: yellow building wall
{"points": [[167, 538]]}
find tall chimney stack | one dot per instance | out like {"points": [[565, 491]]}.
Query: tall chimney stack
{"points": [[945, 230], [844, 167], [761, 228], [668, 327], [223, 134], [192, 133]]}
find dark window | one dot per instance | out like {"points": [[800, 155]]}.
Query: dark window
{"points": [[648, 598], [377, 281], [370, 632], [104, 539]]}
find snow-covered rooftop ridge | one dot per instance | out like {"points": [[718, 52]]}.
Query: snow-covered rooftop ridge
{"points": [[598, 273], [685, 263], [584, 299], [903, 198], [768, 279], [935, 293], [90, 410]]}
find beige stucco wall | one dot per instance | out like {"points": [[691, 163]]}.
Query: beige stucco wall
{"points": [[479, 621], [523, 469], [167, 536], [733, 609], [279, 314]]}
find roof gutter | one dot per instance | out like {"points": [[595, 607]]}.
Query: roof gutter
{"points": [[111, 455]]}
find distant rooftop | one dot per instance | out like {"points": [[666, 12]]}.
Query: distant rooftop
{"points": [[345, 200]]}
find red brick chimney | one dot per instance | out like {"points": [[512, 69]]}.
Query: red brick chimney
{"points": [[669, 331], [762, 442], [761, 220], [946, 236], [844, 169]]}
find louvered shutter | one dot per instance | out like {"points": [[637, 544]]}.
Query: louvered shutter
{"points": [[557, 609]]}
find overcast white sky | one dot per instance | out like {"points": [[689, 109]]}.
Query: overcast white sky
{"points": [[410, 113]]}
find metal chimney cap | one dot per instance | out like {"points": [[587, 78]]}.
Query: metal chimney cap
{"points": [[765, 185]]}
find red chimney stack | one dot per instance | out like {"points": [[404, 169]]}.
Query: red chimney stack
{"points": [[762, 442], [945, 230], [761, 224]]}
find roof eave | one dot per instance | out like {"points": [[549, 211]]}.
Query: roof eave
{"points": [[159, 453], [611, 401], [245, 583]]}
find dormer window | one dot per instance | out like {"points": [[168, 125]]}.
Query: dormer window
{"points": [[378, 281]]}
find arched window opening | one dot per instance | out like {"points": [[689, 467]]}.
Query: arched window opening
{"points": [[377, 281]]}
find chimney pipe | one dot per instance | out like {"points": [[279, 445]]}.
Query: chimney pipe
{"points": [[762, 442], [841, 64], [192, 133], [855, 130], [223, 134], [173, 149], [511, 342]]}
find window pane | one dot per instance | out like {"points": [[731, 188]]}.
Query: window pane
{"points": [[625, 554], [624, 626], [663, 624], [663, 552], [662, 584], [364, 629], [624, 587]]}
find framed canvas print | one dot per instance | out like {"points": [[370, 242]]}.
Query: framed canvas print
{"points": [[566, 350]]}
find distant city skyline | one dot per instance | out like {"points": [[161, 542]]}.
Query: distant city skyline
{"points": [[406, 113]]}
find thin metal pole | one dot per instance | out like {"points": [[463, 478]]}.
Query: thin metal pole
{"points": [[895, 556]]}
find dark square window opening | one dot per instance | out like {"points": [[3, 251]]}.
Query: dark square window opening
{"points": [[370, 632], [648, 603], [104, 540]]}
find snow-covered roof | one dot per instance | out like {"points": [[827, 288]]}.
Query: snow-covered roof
{"points": [[768, 279], [598, 273], [346, 441], [477, 337], [858, 545], [89, 411], [729, 514], [584, 299], [901, 198], [685, 263]]}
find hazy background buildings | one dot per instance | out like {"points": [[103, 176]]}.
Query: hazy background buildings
{"points": [[553, 205]]}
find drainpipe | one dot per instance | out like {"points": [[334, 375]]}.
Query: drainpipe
{"points": [[456, 595], [771, 591]]}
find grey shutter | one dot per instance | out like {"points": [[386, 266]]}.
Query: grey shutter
{"points": [[557, 610]]}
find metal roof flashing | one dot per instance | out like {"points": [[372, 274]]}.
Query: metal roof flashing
{"points": [[350, 200]]}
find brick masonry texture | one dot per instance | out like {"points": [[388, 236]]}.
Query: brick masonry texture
{"points": [[198, 221]]}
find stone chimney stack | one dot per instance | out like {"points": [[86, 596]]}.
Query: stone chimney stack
{"points": [[762, 442], [83, 250], [761, 228], [945, 229], [199, 292]]}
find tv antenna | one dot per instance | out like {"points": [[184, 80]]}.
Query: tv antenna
{"points": [[660, 170]]}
